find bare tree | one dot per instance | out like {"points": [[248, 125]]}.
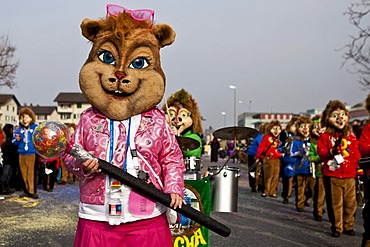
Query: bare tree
{"points": [[8, 68], [358, 50]]}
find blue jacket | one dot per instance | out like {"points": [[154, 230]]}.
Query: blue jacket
{"points": [[24, 149], [252, 150], [285, 147], [299, 153]]}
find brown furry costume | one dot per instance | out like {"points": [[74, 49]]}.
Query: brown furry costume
{"points": [[302, 167], [338, 149], [27, 154], [364, 146], [184, 117], [286, 137], [123, 80], [126, 39], [267, 150], [330, 107], [184, 98], [315, 182], [27, 111]]}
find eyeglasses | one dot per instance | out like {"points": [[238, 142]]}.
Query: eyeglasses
{"points": [[138, 14]]}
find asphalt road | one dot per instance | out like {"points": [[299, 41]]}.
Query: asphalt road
{"points": [[52, 219]]}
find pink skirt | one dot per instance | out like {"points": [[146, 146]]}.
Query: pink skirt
{"points": [[143, 233]]}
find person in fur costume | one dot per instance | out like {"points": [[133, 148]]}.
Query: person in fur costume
{"points": [[255, 169], [184, 118], [299, 153], [123, 80], [338, 149], [315, 181], [286, 138], [27, 154], [267, 152], [364, 147]]}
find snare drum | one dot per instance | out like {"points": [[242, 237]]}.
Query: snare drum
{"points": [[193, 163]]}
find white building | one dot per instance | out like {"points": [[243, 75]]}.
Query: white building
{"points": [[70, 106], [9, 107]]}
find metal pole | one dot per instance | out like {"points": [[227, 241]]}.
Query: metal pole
{"points": [[224, 114], [234, 88], [235, 107]]}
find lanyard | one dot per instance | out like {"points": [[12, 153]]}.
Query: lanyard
{"points": [[111, 130], [127, 144], [111, 145]]}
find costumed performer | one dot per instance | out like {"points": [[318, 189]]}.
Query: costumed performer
{"points": [[286, 138], [299, 153], [364, 147], [184, 117], [123, 81], [27, 154], [338, 149], [268, 152], [255, 169]]}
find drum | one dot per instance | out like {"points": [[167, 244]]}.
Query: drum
{"points": [[364, 163], [193, 163], [224, 188]]}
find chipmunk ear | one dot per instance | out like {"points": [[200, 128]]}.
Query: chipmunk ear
{"points": [[164, 34], [90, 28]]}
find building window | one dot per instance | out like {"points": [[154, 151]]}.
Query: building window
{"points": [[7, 118], [65, 116], [79, 105], [66, 106]]}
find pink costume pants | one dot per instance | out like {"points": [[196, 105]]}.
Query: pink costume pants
{"points": [[149, 233]]}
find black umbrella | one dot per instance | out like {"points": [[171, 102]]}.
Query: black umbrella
{"points": [[235, 133]]}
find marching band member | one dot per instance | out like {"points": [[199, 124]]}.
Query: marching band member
{"points": [[338, 149]]}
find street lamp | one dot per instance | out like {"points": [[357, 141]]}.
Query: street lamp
{"points": [[249, 105], [234, 88], [224, 114], [241, 102]]}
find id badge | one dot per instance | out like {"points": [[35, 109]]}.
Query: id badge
{"points": [[331, 164], [339, 159]]}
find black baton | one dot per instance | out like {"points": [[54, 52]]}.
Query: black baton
{"points": [[150, 191]]}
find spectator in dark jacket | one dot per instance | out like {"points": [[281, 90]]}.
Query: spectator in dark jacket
{"points": [[10, 160]]}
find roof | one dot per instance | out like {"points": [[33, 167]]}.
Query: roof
{"points": [[43, 110], [359, 105], [4, 98], [70, 98]]}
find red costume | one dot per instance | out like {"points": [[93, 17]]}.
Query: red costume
{"points": [[338, 149], [268, 149], [349, 150], [364, 143]]}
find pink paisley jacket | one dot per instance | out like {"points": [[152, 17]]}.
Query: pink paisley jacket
{"points": [[154, 140]]}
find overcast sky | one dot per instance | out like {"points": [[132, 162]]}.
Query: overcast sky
{"points": [[282, 56]]}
